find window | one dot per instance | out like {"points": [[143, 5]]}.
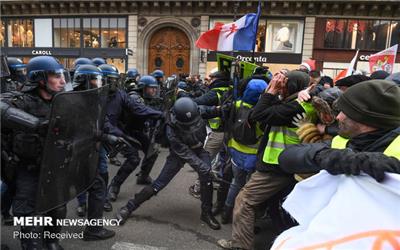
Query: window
{"points": [[360, 34], [43, 36], [119, 63], [113, 32], [91, 32], [67, 32], [20, 33], [2, 33], [284, 36]]}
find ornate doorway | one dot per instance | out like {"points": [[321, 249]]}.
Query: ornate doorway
{"points": [[169, 50]]}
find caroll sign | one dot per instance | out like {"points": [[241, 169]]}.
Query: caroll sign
{"points": [[41, 52]]}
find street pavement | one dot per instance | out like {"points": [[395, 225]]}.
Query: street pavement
{"points": [[170, 220]]}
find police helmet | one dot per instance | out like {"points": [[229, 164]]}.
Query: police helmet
{"points": [[148, 81], [132, 74], [110, 75], [41, 67], [17, 69], [182, 85], [98, 61], [87, 77], [81, 61], [158, 73], [185, 112]]}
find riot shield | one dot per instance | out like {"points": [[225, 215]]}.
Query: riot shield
{"points": [[71, 149]]}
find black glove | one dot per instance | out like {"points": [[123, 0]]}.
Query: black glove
{"points": [[375, 164]]}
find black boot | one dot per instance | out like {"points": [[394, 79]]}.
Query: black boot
{"points": [[226, 215], [91, 234], [123, 215], [107, 204], [113, 192], [206, 190], [143, 179]]}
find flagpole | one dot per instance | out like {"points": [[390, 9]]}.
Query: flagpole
{"points": [[258, 20]]}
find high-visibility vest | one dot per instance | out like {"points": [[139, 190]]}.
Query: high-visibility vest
{"points": [[393, 149], [247, 149], [215, 122], [279, 137]]}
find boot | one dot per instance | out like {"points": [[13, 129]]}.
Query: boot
{"points": [[107, 207], [226, 215], [206, 190], [222, 193], [97, 234], [210, 220], [54, 245], [81, 210], [113, 192], [123, 214], [143, 178]]}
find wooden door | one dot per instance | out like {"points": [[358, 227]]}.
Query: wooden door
{"points": [[169, 50]]}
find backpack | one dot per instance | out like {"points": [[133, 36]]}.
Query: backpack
{"points": [[242, 130]]}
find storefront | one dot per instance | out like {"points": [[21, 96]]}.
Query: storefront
{"points": [[279, 43], [342, 37], [66, 38]]}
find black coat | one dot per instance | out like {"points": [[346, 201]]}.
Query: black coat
{"points": [[302, 158], [211, 98]]}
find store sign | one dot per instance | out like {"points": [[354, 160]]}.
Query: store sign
{"points": [[364, 57], [258, 59], [41, 52]]}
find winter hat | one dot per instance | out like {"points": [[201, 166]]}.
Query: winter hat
{"points": [[375, 103], [379, 74], [253, 91], [309, 64], [297, 81], [351, 80]]}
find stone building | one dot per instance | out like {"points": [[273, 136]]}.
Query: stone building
{"points": [[161, 34]]}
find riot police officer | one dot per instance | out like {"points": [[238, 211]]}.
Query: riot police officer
{"points": [[121, 105], [17, 78], [159, 75], [78, 62], [87, 77], [186, 132], [47, 77], [131, 80], [145, 130]]}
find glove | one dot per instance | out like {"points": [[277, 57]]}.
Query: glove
{"points": [[308, 133], [375, 164]]}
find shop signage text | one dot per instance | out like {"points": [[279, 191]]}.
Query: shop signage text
{"points": [[41, 52], [364, 57], [258, 59]]}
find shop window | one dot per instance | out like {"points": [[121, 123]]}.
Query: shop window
{"points": [[67, 32], [20, 33], [113, 32], [360, 34], [91, 32], [67, 62], [260, 40], [119, 63], [284, 36], [43, 35], [2, 33]]}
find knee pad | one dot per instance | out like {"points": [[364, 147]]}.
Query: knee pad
{"points": [[145, 194]]}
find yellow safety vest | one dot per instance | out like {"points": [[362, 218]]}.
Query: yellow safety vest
{"points": [[393, 149], [215, 122], [279, 137], [247, 149]]}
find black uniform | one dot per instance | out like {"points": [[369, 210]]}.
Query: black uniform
{"points": [[121, 104], [28, 146]]}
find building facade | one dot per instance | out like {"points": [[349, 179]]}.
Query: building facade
{"points": [[150, 35]]}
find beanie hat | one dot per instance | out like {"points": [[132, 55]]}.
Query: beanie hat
{"points": [[375, 103], [297, 81], [379, 74], [351, 80]]}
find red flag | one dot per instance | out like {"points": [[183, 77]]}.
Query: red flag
{"points": [[209, 39], [383, 60], [342, 74]]}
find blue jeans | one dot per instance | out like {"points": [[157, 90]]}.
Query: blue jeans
{"points": [[240, 178]]}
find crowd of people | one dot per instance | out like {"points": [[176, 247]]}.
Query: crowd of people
{"points": [[252, 139]]}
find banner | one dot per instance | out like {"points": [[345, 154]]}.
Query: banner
{"points": [[383, 60], [343, 212]]}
